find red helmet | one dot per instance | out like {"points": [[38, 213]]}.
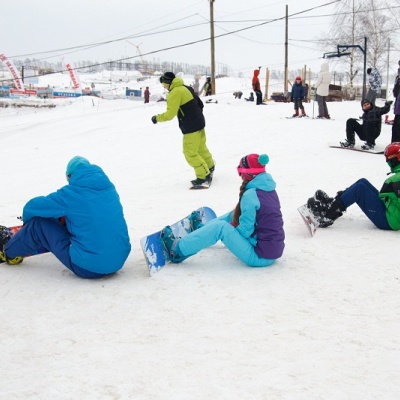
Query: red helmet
{"points": [[392, 151], [298, 78]]}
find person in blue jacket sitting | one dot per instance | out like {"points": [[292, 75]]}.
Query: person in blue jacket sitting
{"points": [[253, 231], [82, 224]]}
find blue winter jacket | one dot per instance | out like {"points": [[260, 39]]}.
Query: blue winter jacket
{"points": [[297, 92], [94, 218], [261, 218]]}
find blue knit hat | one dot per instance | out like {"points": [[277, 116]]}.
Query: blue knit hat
{"points": [[74, 163]]}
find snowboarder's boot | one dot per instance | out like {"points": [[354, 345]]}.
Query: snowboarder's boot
{"points": [[195, 220], [170, 242], [335, 210], [347, 144], [4, 238]]}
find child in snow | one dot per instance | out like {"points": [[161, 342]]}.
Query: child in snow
{"points": [[381, 207], [370, 128], [253, 231], [297, 97], [251, 98], [93, 241]]}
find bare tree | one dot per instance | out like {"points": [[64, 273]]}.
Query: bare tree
{"points": [[355, 20]]}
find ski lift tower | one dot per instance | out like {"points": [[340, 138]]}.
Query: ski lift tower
{"points": [[343, 52]]}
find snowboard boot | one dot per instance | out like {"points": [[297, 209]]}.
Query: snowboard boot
{"points": [[334, 211], [170, 242], [4, 238], [347, 144], [198, 181], [368, 146], [210, 176], [195, 220], [323, 197]]}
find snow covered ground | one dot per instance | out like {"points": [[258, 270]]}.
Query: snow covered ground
{"points": [[322, 323]]}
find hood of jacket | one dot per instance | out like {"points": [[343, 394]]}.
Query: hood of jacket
{"points": [[263, 181], [325, 67], [178, 81]]}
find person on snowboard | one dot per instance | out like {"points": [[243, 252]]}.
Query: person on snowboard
{"points": [[82, 224], [370, 128], [188, 107], [255, 83], [253, 231], [381, 207], [297, 97]]}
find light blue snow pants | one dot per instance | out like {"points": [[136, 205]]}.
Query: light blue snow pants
{"points": [[221, 229]]}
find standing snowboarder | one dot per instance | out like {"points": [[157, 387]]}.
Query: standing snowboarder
{"points": [[183, 103]]}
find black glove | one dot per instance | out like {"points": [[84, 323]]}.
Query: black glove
{"points": [[389, 103], [154, 119]]}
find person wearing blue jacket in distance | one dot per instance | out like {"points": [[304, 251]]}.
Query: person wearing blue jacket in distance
{"points": [[297, 97], [93, 241], [253, 231]]}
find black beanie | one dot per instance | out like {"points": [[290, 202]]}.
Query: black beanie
{"points": [[168, 77]]}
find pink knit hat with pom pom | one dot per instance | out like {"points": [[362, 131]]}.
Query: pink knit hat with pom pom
{"points": [[252, 165]]}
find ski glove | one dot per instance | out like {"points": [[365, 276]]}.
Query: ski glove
{"points": [[154, 119]]}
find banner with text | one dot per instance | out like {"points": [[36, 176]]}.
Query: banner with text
{"points": [[14, 72], [76, 84]]}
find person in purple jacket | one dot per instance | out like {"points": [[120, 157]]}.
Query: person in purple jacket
{"points": [[396, 110], [253, 231]]}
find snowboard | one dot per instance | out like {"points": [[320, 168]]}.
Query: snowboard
{"points": [[309, 219], [153, 247], [376, 150], [12, 230]]}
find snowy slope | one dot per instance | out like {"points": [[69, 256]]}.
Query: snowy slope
{"points": [[322, 323]]}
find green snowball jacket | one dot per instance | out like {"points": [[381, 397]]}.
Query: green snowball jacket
{"points": [[390, 195]]}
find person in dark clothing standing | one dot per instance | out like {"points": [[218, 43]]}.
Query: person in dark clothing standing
{"points": [[147, 95], [370, 129], [256, 86], [297, 97], [396, 110]]}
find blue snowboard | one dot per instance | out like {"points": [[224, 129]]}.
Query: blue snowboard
{"points": [[153, 248]]}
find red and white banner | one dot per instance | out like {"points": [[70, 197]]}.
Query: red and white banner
{"points": [[76, 84], [14, 72]]}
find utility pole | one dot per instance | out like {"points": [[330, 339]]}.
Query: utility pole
{"points": [[212, 46], [286, 52]]}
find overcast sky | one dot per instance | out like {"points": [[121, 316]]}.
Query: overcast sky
{"points": [[32, 29]]}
